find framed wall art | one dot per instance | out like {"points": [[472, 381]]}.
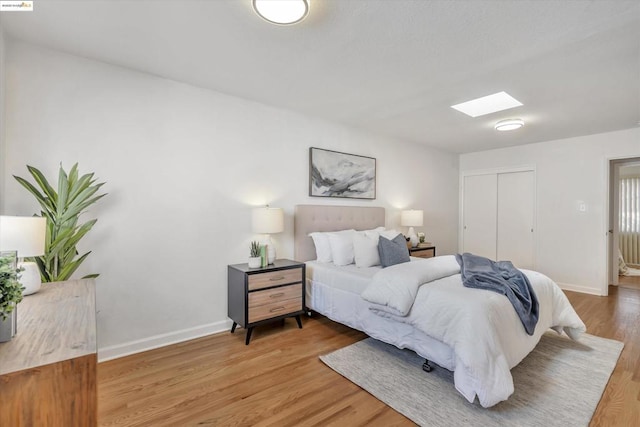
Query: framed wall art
{"points": [[336, 174]]}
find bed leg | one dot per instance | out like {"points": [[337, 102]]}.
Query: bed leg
{"points": [[426, 366]]}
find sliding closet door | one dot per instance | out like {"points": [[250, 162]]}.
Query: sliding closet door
{"points": [[479, 215], [516, 207]]}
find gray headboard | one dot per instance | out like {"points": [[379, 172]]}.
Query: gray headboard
{"points": [[310, 218]]}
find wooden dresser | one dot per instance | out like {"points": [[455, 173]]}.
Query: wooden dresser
{"points": [[48, 370]]}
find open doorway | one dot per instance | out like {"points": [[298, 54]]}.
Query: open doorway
{"points": [[624, 222]]}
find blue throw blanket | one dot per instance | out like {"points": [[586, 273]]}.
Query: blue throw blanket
{"points": [[501, 277]]}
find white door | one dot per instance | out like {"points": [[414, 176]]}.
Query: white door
{"points": [[479, 215], [516, 207], [614, 221]]}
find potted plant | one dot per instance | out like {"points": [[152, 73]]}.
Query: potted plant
{"points": [[254, 255], [10, 295], [62, 209]]}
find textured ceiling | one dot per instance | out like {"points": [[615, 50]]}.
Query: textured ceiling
{"points": [[392, 67]]}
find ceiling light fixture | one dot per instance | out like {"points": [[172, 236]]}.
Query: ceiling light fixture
{"points": [[282, 12], [487, 104], [509, 124]]}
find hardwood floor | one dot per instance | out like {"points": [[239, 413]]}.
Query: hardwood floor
{"points": [[617, 317], [632, 282], [278, 379]]}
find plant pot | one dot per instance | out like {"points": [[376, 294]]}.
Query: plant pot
{"points": [[9, 326], [255, 262]]}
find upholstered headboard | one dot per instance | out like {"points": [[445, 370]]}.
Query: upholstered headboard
{"points": [[310, 218]]}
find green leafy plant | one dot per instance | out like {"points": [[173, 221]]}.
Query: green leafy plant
{"points": [[255, 249], [10, 288], [62, 209]]}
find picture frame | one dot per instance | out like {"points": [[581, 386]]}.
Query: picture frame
{"points": [[341, 175]]}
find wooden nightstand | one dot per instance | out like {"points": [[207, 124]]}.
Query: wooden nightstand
{"points": [[262, 295], [423, 250]]}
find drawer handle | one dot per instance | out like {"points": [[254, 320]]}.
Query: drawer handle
{"points": [[278, 295], [273, 279], [273, 310]]}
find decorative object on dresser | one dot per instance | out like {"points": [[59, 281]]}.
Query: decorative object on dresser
{"points": [[26, 235], [10, 295], [423, 250], [268, 221], [48, 371], [336, 174], [261, 295], [412, 218], [62, 210], [254, 255]]}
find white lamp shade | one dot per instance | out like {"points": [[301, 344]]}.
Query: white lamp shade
{"points": [[411, 218], [267, 220], [23, 234]]}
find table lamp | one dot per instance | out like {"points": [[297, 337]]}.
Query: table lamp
{"points": [[412, 218], [26, 235], [268, 221]]}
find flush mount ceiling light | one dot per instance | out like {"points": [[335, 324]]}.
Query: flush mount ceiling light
{"points": [[282, 12], [509, 124], [487, 104]]}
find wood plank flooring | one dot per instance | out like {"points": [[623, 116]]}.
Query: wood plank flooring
{"points": [[278, 379], [632, 282]]}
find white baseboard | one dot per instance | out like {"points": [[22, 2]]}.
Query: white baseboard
{"points": [[578, 288], [137, 346]]}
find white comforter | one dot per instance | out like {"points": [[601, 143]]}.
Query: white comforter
{"points": [[480, 326]]}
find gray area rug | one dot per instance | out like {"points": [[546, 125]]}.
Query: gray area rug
{"points": [[558, 384]]}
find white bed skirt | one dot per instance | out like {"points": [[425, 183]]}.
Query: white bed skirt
{"points": [[350, 309]]}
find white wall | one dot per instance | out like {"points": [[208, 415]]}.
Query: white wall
{"points": [[183, 167], [571, 246]]}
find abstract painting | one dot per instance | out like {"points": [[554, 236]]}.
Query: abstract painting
{"points": [[335, 174]]}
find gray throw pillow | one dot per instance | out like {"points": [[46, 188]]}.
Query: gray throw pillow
{"points": [[394, 251]]}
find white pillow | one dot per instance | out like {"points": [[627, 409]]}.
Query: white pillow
{"points": [[374, 233], [389, 234], [323, 248], [341, 244], [365, 249]]}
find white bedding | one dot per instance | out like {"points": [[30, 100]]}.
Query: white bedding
{"points": [[441, 324], [394, 288], [336, 294], [481, 327]]}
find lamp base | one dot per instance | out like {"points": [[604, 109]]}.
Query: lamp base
{"points": [[30, 277], [413, 237], [271, 249]]}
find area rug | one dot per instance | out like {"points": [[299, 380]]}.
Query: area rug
{"points": [[558, 384]]}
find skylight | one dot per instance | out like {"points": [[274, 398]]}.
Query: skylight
{"points": [[487, 104]]}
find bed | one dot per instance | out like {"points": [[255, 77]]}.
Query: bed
{"points": [[336, 292]]}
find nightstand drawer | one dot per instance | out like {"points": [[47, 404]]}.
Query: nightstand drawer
{"points": [[274, 278], [274, 309], [426, 253], [275, 295]]}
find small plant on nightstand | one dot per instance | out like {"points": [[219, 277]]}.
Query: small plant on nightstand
{"points": [[254, 255]]}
